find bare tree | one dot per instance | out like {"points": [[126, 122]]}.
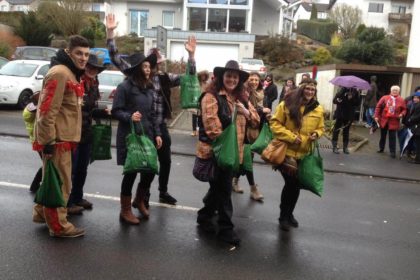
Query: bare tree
{"points": [[348, 18], [69, 16]]}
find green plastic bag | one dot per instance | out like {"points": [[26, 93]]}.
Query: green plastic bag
{"points": [[190, 90], [264, 138], [49, 193], [101, 141], [225, 147], [141, 153], [247, 160], [311, 171]]}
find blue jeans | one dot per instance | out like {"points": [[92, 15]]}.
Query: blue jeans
{"points": [[80, 162], [369, 115]]}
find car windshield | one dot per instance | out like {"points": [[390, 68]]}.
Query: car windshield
{"points": [[107, 79], [18, 69]]}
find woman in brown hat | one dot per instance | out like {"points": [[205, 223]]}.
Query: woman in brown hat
{"points": [[81, 156], [216, 106]]}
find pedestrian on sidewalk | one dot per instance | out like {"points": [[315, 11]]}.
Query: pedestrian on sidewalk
{"points": [[255, 95], [29, 114], [288, 86], [371, 101], [81, 155], [389, 110], [58, 127], [270, 91], [346, 99], [298, 121], [216, 106], [203, 78], [413, 122], [134, 102]]}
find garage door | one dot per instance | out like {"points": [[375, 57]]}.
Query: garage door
{"points": [[207, 56]]}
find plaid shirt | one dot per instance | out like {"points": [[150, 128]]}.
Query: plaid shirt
{"points": [[213, 126], [175, 80]]}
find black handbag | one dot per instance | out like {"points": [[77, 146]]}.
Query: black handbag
{"points": [[204, 169]]}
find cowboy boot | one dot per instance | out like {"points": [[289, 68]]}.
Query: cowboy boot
{"points": [[235, 185], [126, 215], [139, 201], [255, 193]]}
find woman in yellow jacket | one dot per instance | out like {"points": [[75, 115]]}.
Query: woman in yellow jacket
{"points": [[298, 121]]}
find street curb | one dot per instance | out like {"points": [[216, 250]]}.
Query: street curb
{"points": [[180, 153]]}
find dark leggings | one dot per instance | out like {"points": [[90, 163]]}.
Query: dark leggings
{"points": [[289, 196], [344, 125], [249, 176], [392, 139], [194, 122], [146, 180]]}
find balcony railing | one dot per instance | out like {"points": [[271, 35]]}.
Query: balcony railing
{"points": [[397, 17]]}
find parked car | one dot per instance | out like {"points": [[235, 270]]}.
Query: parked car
{"points": [[108, 82], [3, 61], [19, 79], [253, 65], [34, 52]]}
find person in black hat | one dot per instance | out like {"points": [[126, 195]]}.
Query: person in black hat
{"points": [[81, 155], [162, 82], [216, 106], [134, 102]]}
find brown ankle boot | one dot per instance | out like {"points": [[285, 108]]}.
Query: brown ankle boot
{"points": [[126, 215], [138, 202]]}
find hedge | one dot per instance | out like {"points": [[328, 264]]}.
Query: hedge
{"points": [[320, 30]]}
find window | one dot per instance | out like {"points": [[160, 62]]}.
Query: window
{"points": [[237, 21], [168, 19], [138, 21], [376, 8], [43, 70], [217, 20], [223, 2], [197, 1], [239, 2], [96, 7], [197, 19], [399, 9]]}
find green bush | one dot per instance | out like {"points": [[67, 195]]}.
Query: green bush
{"points": [[89, 34], [322, 56], [320, 30], [5, 49], [309, 54], [33, 30], [278, 50]]}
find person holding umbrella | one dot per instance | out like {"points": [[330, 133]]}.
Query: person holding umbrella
{"points": [[389, 110], [347, 99]]}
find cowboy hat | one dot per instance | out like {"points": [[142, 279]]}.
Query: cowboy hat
{"points": [[231, 65], [94, 62], [132, 61]]}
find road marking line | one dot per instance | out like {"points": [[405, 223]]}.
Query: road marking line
{"points": [[108, 197]]}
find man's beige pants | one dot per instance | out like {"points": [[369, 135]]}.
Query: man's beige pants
{"points": [[56, 218]]}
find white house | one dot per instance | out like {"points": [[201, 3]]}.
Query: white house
{"points": [[225, 29], [18, 5]]}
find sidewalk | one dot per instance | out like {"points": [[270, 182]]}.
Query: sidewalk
{"points": [[364, 162]]}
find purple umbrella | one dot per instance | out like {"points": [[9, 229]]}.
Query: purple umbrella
{"points": [[350, 82]]}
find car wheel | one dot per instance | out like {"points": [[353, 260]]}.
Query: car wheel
{"points": [[24, 99]]}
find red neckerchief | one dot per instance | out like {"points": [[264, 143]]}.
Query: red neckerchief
{"points": [[78, 88]]}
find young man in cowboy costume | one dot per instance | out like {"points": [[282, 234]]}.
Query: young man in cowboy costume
{"points": [[58, 127], [163, 82]]}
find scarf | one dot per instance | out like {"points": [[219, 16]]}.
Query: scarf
{"points": [[390, 106]]}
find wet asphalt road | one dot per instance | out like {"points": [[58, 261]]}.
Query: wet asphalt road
{"points": [[361, 229]]}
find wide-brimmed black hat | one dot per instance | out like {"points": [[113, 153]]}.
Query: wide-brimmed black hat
{"points": [[231, 65], [134, 60], [94, 62]]}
